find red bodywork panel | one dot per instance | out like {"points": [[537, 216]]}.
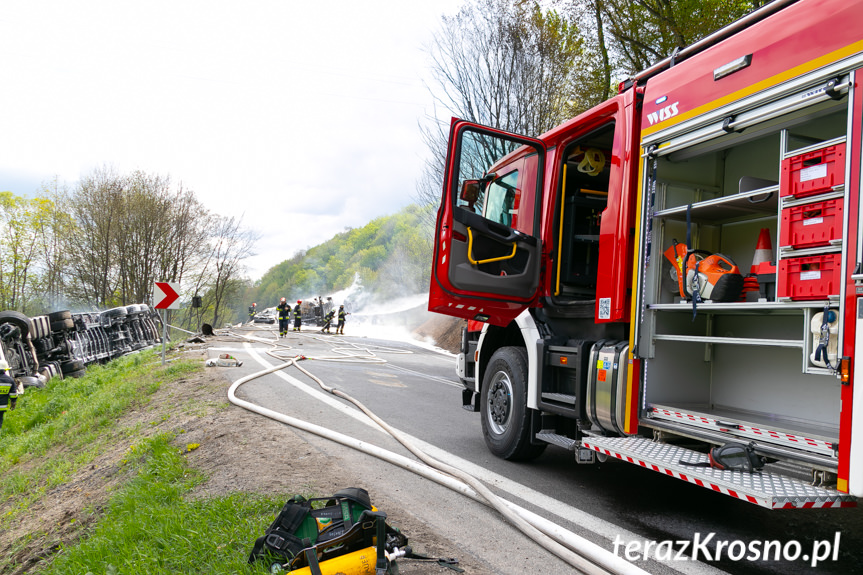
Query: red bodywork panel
{"points": [[797, 39]]}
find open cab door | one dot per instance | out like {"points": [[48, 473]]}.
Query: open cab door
{"points": [[487, 250]]}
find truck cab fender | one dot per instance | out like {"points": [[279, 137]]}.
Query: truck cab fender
{"points": [[521, 332]]}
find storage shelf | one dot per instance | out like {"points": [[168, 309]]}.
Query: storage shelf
{"points": [[837, 193], [786, 252], [819, 431], [794, 343], [779, 308], [727, 208]]}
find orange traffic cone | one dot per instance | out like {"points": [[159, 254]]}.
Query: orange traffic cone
{"points": [[763, 250], [763, 253]]}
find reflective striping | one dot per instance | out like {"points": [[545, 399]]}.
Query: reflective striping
{"points": [[765, 489], [821, 446]]}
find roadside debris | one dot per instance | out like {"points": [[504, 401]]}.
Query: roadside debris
{"points": [[224, 360]]}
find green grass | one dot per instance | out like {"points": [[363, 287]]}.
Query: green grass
{"points": [[149, 524], [58, 430], [149, 527]]}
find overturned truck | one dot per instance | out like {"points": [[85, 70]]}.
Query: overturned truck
{"points": [[62, 343]]}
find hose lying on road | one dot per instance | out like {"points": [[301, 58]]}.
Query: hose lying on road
{"points": [[574, 550]]}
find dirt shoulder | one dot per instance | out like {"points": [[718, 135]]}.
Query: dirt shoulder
{"points": [[239, 452]]}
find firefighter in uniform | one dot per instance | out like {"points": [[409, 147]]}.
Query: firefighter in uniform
{"points": [[340, 327], [284, 317], [328, 319], [252, 310], [8, 390], [298, 315]]}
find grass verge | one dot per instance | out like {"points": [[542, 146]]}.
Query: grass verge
{"points": [[147, 525], [150, 528]]}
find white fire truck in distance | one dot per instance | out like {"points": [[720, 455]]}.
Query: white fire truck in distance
{"points": [[673, 278]]}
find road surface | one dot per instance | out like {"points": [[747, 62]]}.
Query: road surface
{"points": [[612, 504]]}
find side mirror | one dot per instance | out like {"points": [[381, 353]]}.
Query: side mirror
{"points": [[469, 191]]}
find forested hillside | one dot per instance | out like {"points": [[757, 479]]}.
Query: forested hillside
{"points": [[389, 257]]}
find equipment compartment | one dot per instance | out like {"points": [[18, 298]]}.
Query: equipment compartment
{"points": [[720, 371]]}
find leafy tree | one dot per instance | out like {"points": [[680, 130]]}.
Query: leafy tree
{"points": [[53, 224], [19, 252], [631, 35]]}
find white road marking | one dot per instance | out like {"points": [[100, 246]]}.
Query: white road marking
{"points": [[425, 375]]}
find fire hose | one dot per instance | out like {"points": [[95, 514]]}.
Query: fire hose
{"points": [[571, 548]]}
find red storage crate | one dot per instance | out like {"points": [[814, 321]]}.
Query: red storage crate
{"points": [[811, 277], [811, 225], [813, 172]]}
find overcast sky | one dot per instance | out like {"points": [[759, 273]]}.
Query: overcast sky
{"points": [[301, 116]]}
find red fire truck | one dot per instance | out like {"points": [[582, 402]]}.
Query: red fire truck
{"points": [[677, 269]]}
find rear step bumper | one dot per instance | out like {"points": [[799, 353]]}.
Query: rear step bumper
{"points": [[765, 489]]}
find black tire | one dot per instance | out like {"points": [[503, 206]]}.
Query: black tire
{"points": [[17, 319], [115, 312], [506, 421], [60, 315], [67, 367], [62, 325]]}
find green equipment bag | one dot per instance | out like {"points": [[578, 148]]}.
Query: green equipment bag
{"points": [[309, 531]]}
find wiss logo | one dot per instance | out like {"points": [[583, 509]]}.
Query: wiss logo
{"points": [[663, 114]]}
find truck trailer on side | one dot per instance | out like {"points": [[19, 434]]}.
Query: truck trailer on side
{"points": [[677, 269]]}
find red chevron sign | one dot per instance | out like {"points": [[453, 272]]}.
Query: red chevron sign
{"points": [[166, 296]]}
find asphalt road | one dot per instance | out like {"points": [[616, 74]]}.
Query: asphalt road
{"points": [[415, 390]]}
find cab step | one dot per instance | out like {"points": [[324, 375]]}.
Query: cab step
{"points": [[765, 489], [549, 436]]}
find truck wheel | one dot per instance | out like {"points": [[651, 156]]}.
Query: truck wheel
{"points": [[505, 417], [17, 319], [60, 315], [62, 325]]}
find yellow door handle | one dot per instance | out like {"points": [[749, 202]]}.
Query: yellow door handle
{"points": [[489, 260]]}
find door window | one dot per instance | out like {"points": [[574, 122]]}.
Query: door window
{"points": [[500, 199]]}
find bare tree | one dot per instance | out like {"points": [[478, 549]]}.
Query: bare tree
{"points": [[131, 231], [221, 276], [141, 238], [507, 64], [95, 205]]}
